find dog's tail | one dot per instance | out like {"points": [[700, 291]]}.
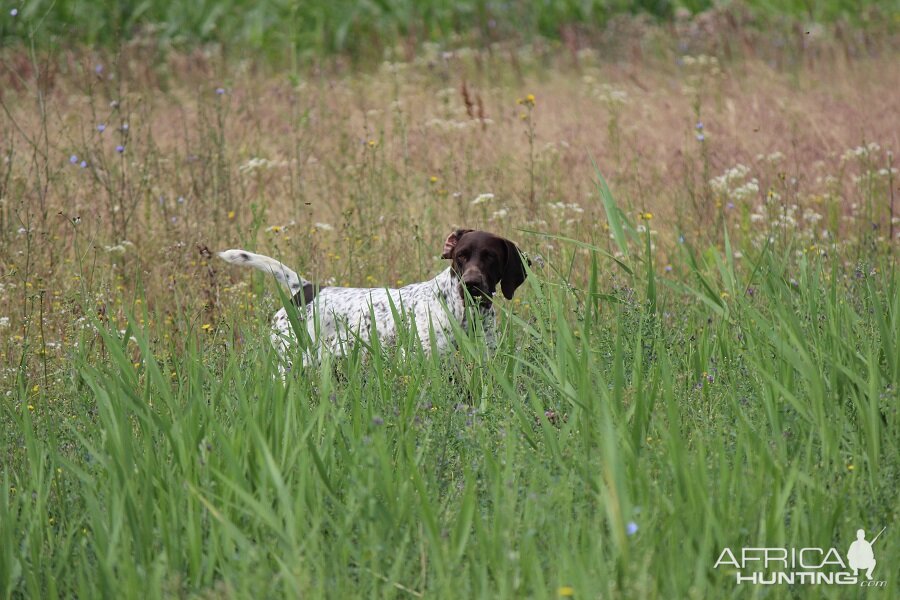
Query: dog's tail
{"points": [[285, 275]]}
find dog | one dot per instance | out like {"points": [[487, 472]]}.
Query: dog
{"points": [[336, 318]]}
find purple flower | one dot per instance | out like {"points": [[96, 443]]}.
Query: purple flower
{"points": [[14, 12], [377, 421], [180, 199], [83, 164], [73, 159], [668, 268], [700, 137], [220, 91], [730, 205], [120, 149], [101, 127], [699, 126], [631, 528], [98, 69]]}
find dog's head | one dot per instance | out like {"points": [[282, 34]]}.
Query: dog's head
{"points": [[482, 260]]}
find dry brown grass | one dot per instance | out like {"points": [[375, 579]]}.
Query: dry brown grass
{"points": [[393, 159]]}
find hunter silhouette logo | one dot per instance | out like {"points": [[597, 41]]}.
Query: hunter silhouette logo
{"points": [[860, 555], [792, 566]]}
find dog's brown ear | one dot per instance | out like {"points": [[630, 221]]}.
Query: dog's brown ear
{"points": [[514, 273], [452, 240]]}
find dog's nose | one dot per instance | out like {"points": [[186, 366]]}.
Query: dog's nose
{"points": [[475, 286]]}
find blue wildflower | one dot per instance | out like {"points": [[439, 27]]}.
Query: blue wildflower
{"points": [[220, 91], [631, 528], [101, 127], [700, 137], [83, 164], [73, 159], [120, 149]]}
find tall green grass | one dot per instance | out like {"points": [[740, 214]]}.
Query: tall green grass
{"points": [[613, 445], [365, 29]]}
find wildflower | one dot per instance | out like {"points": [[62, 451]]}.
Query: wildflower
{"points": [[730, 205], [631, 528], [231, 215], [120, 149], [324, 226], [482, 198], [700, 137], [526, 101], [850, 467], [680, 239], [83, 164], [566, 591], [4, 322], [372, 143], [101, 127], [646, 216], [699, 126], [31, 407], [724, 295], [73, 159], [668, 268], [377, 421], [206, 327], [124, 127], [274, 229], [433, 179], [36, 389], [98, 69], [220, 91], [14, 12]]}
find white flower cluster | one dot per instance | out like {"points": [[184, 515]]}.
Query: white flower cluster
{"points": [[120, 248], [734, 185], [562, 207], [256, 163], [860, 151]]}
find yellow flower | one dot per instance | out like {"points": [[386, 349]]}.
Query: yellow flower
{"points": [[206, 327], [31, 407], [646, 216], [527, 100], [35, 389], [566, 590], [373, 143], [850, 467], [724, 295], [433, 179], [231, 215]]}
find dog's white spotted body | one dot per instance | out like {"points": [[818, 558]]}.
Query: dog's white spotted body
{"points": [[337, 318]]}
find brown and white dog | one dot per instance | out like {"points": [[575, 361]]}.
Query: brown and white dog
{"points": [[337, 317]]}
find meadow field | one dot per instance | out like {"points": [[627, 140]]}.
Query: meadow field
{"points": [[706, 355]]}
